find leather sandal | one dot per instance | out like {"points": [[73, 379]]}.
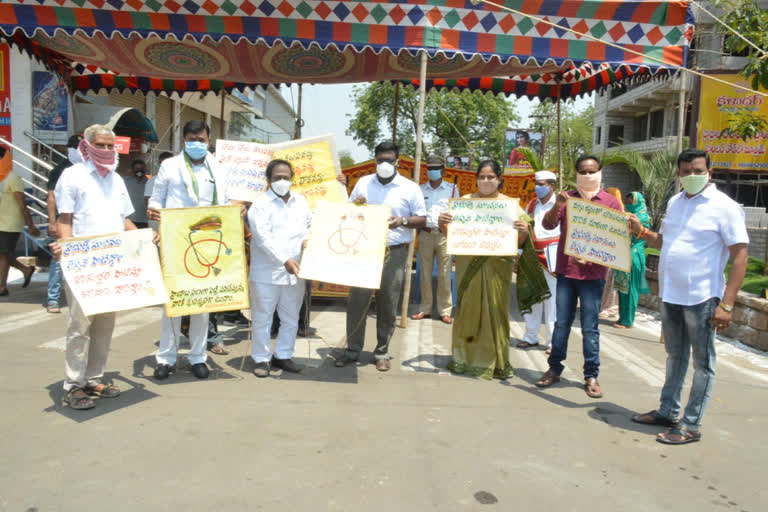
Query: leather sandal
{"points": [[77, 398], [679, 435], [419, 316], [592, 387], [102, 390], [446, 319], [548, 379]]}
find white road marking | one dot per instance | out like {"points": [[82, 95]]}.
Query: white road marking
{"points": [[125, 324], [20, 321]]}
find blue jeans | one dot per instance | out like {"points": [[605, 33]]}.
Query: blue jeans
{"points": [[590, 294], [685, 327], [54, 282]]}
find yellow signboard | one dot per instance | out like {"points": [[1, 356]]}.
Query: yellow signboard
{"points": [[718, 101], [202, 252]]}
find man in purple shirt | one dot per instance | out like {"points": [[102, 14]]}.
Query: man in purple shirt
{"points": [[578, 280]]}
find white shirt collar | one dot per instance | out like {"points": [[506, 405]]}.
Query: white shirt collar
{"points": [[273, 196]]}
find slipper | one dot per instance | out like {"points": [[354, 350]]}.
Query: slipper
{"points": [[218, 349], [548, 351], [525, 344], [681, 436], [419, 316], [28, 279], [653, 418]]}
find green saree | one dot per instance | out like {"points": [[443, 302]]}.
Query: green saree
{"points": [[480, 336], [632, 284]]}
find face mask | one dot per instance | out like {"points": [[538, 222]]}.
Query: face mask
{"points": [[434, 174], [73, 155], [104, 160], [385, 170], [281, 187], [138, 174], [588, 185], [487, 187], [694, 183], [196, 150], [542, 191]]}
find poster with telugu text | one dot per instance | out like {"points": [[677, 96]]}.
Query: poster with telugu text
{"points": [[202, 251], [483, 227], [347, 244], [113, 272], [314, 161], [598, 234]]}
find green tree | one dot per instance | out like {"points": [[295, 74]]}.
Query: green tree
{"points": [[576, 131], [345, 159], [657, 172], [748, 19], [480, 119]]}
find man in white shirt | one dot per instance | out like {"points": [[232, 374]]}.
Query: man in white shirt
{"points": [[403, 196], [545, 242], [92, 200], [189, 179], [702, 228], [279, 221], [433, 243], [136, 183]]}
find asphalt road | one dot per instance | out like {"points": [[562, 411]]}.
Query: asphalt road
{"points": [[413, 439]]}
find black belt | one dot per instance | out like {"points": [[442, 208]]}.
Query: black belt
{"points": [[399, 246]]}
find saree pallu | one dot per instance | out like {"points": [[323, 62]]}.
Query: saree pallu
{"points": [[480, 335]]}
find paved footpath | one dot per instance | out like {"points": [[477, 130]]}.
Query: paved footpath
{"points": [[413, 439]]}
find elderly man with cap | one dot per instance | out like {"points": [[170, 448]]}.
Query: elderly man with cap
{"points": [[433, 243], [545, 242]]}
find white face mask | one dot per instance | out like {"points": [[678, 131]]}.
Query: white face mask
{"points": [[694, 183], [281, 187], [73, 155], [385, 170]]}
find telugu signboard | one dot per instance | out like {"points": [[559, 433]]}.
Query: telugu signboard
{"points": [[203, 257], [314, 161], [483, 227], [113, 272], [346, 244], [718, 102], [598, 234]]}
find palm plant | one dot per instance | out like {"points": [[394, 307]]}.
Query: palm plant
{"points": [[657, 172]]}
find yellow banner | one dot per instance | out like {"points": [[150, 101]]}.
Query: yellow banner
{"points": [[718, 101], [315, 166], [202, 252]]}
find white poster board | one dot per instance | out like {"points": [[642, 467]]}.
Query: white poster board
{"points": [[483, 227]]}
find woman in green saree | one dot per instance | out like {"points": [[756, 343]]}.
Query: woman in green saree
{"points": [[480, 334], [631, 285]]}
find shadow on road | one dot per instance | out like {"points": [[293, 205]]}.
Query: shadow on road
{"points": [[132, 393]]}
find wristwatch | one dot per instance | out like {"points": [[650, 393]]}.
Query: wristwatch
{"points": [[404, 221], [726, 307]]}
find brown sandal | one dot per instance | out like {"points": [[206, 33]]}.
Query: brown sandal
{"points": [[678, 435], [107, 390], [419, 316], [77, 398], [220, 350]]}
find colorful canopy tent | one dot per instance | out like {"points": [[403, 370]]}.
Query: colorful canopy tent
{"points": [[276, 41]]}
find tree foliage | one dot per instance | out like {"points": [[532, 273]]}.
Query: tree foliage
{"points": [[345, 159], [480, 119]]}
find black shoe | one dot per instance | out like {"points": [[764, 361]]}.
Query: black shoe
{"points": [[163, 370], [200, 370], [286, 365], [234, 319], [261, 370], [344, 361], [273, 333], [303, 332]]}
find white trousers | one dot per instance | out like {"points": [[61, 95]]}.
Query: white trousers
{"points": [[547, 308], [88, 341], [265, 298], [170, 337]]}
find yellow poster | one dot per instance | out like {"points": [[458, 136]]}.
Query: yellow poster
{"points": [[315, 166], [718, 101], [202, 251], [346, 245]]}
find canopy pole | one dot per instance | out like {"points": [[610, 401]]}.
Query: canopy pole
{"points": [[299, 122], [416, 174], [680, 122], [397, 105], [221, 114], [559, 140]]}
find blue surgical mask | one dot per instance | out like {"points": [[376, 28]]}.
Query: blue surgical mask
{"points": [[542, 190], [434, 174], [196, 150]]}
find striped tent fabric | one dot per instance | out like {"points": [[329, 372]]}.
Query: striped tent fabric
{"points": [[223, 43]]}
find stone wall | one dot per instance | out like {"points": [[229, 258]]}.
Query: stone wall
{"points": [[749, 323], [757, 240]]}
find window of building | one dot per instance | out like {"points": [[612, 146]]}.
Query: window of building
{"points": [[599, 135], [640, 128], [657, 123], [615, 135]]}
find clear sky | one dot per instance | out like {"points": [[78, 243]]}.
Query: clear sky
{"points": [[326, 109]]}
